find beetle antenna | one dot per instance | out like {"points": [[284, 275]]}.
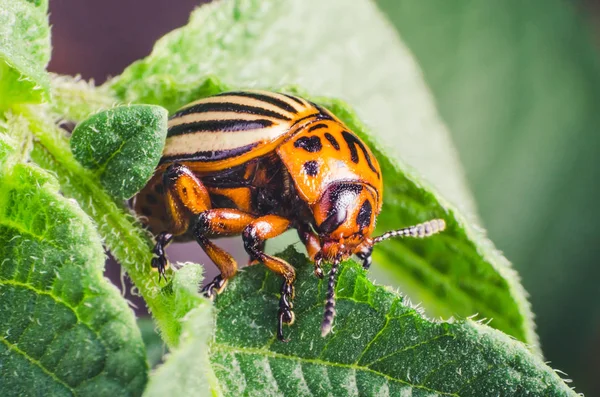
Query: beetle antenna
{"points": [[330, 301], [421, 230]]}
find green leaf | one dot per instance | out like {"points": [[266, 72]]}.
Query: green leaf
{"points": [[128, 242], [518, 84], [122, 146], [261, 43], [379, 345], [187, 370], [64, 329], [24, 52], [455, 273], [155, 347]]}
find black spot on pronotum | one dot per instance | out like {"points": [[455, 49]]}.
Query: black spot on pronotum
{"points": [[310, 144], [150, 198], [332, 140], [363, 219], [311, 168], [317, 127], [352, 142], [146, 211]]}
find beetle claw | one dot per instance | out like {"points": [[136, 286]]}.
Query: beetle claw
{"points": [[285, 314], [214, 287]]}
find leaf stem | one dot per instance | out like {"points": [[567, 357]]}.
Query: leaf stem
{"points": [[122, 233]]}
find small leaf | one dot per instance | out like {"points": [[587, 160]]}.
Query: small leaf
{"points": [[187, 369], [24, 52], [122, 146], [379, 345], [64, 329]]}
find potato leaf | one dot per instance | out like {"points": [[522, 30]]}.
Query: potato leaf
{"points": [[122, 146], [24, 52], [379, 345], [64, 329]]}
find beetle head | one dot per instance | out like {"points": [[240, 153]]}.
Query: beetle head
{"points": [[345, 218]]}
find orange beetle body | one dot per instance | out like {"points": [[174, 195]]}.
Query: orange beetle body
{"points": [[257, 163]]}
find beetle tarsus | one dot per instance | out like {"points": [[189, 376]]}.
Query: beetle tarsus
{"points": [[318, 268], [214, 287], [285, 314], [159, 261]]}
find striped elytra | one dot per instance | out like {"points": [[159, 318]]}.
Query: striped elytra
{"points": [[257, 163]]}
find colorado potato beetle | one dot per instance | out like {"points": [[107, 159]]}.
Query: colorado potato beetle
{"points": [[258, 163]]}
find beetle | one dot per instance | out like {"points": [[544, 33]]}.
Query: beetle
{"points": [[258, 163]]}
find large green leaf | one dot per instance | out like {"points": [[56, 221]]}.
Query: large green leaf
{"points": [[64, 329], [24, 51], [379, 345], [263, 43], [518, 84]]}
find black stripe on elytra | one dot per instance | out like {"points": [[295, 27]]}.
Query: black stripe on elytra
{"points": [[295, 99], [209, 155], [311, 168], [317, 127], [352, 142], [324, 114], [219, 126], [332, 140], [265, 98], [230, 107], [311, 144]]}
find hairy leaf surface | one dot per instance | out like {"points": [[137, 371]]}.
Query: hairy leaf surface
{"points": [[379, 345], [518, 84], [238, 41], [187, 369], [24, 51], [64, 329], [122, 146]]}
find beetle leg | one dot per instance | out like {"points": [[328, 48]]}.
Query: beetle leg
{"points": [[159, 261], [254, 235], [184, 195], [220, 222], [313, 247]]}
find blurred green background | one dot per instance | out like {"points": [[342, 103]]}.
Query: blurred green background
{"points": [[518, 85]]}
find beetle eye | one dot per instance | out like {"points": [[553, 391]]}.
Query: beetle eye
{"points": [[337, 216]]}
